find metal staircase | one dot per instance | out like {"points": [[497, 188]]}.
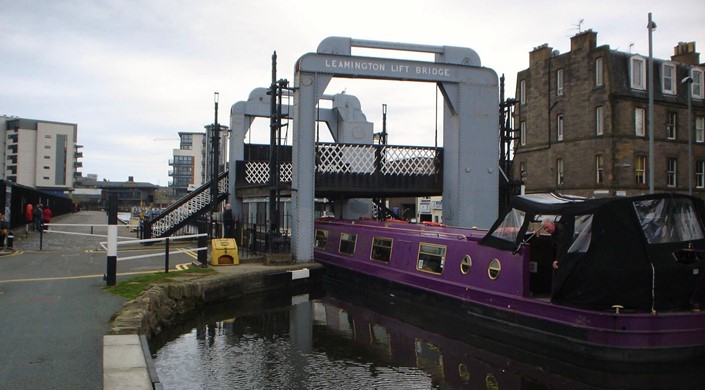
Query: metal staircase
{"points": [[186, 210]]}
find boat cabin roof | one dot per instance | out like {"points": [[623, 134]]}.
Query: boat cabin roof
{"points": [[620, 244]]}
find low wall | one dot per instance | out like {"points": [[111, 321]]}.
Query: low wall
{"points": [[162, 305], [127, 361]]}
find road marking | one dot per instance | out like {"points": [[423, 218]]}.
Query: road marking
{"points": [[183, 266], [15, 253], [77, 277], [188, 252]]}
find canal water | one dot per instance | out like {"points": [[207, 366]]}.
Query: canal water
{"points": [[332, 337]]}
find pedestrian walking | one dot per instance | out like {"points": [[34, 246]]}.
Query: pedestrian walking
{"points": [[29, 215], [228, 221], [38, 217], [4, 231], [46, 216]]}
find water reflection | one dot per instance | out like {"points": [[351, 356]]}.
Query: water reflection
{"points": [[337, 339]]}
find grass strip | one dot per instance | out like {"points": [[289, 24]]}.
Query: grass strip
{"points": [[132, 288]]}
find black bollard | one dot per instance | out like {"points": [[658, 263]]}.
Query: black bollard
{"points": [[166, 256], [202, 243], [111, 275]]}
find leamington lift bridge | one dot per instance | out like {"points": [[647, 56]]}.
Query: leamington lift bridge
{"points": [[470, 128], [470, 138]]}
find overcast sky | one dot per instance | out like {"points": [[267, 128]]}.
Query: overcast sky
{"points": [[132, 74]]}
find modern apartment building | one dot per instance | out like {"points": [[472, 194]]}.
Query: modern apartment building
{"points": [[40, 154], [188, 163], [192, 162], [583, 122]]}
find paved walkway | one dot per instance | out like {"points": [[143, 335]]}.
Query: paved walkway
{"points": [[54, 312]]}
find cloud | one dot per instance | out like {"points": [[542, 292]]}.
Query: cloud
{"points": [[129, 71]]}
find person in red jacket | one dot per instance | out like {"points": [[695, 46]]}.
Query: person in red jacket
{"points": [[46, 218], [29, 215]]}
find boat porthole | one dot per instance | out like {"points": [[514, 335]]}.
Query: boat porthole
{"points": [[494, 269], [491, 382], [464, 373], [465, 264]]}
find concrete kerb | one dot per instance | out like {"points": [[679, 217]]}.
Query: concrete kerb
{"points": [[163, 305]]}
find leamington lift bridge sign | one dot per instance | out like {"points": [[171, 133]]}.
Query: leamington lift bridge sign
{"points": [[470, 126]]}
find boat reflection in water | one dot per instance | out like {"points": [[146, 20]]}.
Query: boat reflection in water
{"points": [[344, 339]]}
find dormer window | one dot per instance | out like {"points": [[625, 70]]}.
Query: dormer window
{"points": [[637, 70], [697, 75], [668, 78]]}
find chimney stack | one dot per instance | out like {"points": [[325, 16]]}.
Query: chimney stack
{"points": [[540, 53], [685, 53], [584, 40]]}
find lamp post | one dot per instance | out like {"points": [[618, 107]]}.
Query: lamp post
{"points": [[651, 26], [214, 172], [688, 81]]}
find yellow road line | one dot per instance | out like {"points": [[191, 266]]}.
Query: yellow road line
{"points": [[15, 253], [189, 253], [83, 276]]}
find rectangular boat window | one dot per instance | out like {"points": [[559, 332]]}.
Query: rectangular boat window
{"points": [[347, 243], [581, 234], [431, 258], [346, 324], [321, 239], [510, 226], [429, 358], [381, 249], [668, 220], [380, 339]]}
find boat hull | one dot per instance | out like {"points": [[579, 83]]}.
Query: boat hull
{"points": [[527, 333], [410, 322], [505, 309]]}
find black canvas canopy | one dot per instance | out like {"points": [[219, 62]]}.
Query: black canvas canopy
{"points": [[643, 253]]}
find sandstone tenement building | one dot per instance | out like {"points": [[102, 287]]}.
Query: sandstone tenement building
{"points": [[582, 120]]}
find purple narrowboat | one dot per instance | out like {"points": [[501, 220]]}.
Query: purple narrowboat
{"points": [[629, 285]]}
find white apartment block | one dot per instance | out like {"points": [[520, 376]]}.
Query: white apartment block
{"points": [[188, 163], [192, 162], [40, 154]]}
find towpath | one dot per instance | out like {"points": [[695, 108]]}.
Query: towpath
{"points": [[54, 311]]}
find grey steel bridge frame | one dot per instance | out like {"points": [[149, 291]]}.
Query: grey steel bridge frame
{"points": [[470, 128]]}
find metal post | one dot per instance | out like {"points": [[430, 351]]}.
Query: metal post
{"points": [[273, 166], [688, 81], [383, 143], [111, 274], [202, 243], [41, 237], [166, 256], [215, 144], [651, 26]]}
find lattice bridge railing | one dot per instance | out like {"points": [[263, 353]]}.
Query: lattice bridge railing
{"points": [[333, 158], [185, 210]]}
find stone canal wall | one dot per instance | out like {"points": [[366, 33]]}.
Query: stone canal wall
{"points": [[163, 305]]}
